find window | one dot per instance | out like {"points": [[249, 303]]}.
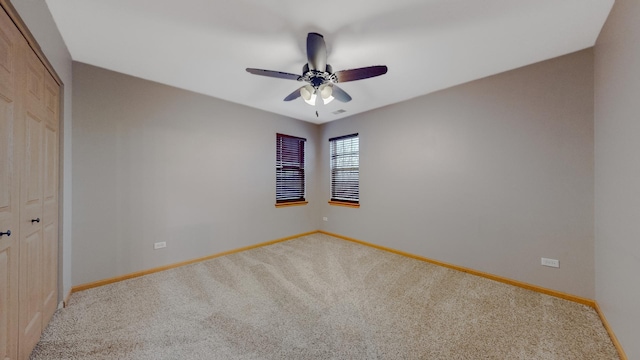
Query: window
{"points": [[289, 170], [345, 170]]}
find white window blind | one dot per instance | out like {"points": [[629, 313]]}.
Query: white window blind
{"points": [[345, 168], [290, 182]]}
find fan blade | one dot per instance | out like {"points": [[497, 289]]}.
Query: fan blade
{"points": [[294, 95], [360, 73], [275, 74], [340, 94], [316, 52]]}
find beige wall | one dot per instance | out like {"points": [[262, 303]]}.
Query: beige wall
{"points": [[37, 17], [491, 175], [154, 163], [617, 172]]}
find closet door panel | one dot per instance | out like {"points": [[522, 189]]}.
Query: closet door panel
{"points": [[50, 272], [8, 301], [31, 199], [33, 160], [50, 198], [35, 116], [30, 293], [9, 187]]}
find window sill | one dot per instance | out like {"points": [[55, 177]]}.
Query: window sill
{"points": [[345, 204], [293, 203]]}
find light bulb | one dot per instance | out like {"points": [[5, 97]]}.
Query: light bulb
{"points": [[312, 100], [326, 94], [305, 92], [326, 91], [308, 93]]}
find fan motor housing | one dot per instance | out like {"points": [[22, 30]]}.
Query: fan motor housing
{"points": [[317, 78]]}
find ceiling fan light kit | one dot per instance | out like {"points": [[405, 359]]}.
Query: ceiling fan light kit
{"points": [[320, 76], [326, 94], [308, 93]]}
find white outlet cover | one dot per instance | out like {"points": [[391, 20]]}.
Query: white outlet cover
{"points": [[159, 245], [325, 219], [550, 262]]}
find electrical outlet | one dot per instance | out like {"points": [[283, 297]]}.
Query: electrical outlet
{"points": [[159, 245], [325, 219], [550, 262]]}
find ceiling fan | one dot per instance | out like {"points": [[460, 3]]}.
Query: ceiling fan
{"points": [[320, 76]]}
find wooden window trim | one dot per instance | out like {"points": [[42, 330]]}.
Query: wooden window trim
{"points": [[291, 203], [344, 204]]}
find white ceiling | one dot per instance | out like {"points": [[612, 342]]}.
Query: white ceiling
{"points": [[428, 45]]}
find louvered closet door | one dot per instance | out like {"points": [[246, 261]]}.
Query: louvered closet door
{"points": [[31, 199], [9, 171], [50, 199]]}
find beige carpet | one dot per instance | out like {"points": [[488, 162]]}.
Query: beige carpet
{"points": [[318, 297]]}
